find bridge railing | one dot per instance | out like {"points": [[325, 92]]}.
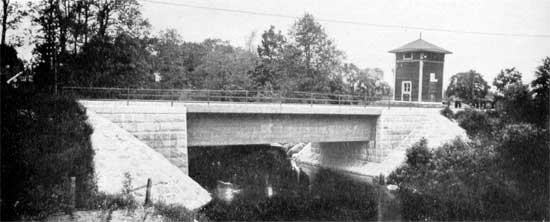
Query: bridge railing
{"points": [[209, 95]]}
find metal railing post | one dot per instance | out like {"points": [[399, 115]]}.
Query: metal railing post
{"points": [[172, 97]]}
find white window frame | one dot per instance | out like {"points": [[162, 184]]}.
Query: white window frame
{"points": [[406, 92]]}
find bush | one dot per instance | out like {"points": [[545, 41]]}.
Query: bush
{"points": [[173, 212], [460, 181], [419, 155], [45, 141], [524, 153], [476, 123], [447, 112]]}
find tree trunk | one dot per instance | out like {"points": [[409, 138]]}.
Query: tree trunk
{"points": [[4, 20], [4, 24]]}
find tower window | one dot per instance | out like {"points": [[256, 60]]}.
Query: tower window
{"points": [[407, 56], [423, 56]]}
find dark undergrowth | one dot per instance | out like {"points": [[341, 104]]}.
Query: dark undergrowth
{"points": [[45, 142]]}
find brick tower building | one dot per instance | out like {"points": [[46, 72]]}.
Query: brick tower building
{"points": [[419, 72]]}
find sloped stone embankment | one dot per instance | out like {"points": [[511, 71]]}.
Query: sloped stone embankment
{"points": [[118, 152]]}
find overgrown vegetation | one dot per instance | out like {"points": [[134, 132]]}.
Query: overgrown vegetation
{"points": [[447, 112], [172, 212], [45, 141], [501, 174]]}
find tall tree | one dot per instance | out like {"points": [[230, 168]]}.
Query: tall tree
{"points": [[12, 13], [319, 55], [170, 60], [469, 86], [269, 72], [541, 91], [507, 77], [225, 69]]}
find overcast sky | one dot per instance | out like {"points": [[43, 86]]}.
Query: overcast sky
{"points": [[368, 46]]}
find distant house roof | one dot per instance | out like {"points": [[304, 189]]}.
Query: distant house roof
{"points": [[420, 45]]}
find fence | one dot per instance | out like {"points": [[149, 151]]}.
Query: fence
{"points": [[236, 96]]}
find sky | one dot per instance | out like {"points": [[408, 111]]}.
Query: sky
{"points": [[368, 46]]}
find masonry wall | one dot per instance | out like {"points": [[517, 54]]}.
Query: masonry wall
{"points": [[164, 130]]}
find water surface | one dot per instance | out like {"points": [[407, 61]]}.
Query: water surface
{"points": [[262, 183]]}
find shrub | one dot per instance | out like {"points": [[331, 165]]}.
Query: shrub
{"points": [[447, 112], [45, 141], [460, 181], [476, 123], [174, 212], [524, 153], [419, 155]]}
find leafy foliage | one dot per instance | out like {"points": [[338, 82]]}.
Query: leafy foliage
{"points": [[541, 92], [447, 112], [476, 123], [45, 141], [507, 163], [469, 86], [506, 78], [457, 182]]}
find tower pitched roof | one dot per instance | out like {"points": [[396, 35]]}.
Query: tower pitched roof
{"points": [[420, 45]]}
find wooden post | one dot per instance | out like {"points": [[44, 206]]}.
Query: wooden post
{"points": [[246, 96], [128, 96], [148, 192], [73, 193]]}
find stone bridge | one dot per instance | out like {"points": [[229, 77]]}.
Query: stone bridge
{"points": [[171, 127]]}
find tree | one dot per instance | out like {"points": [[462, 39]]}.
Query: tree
{"points": [[469, 86], [318, 54], [88, 43], [366, 81], [541, 91], [169, 60], [269, 72], [225, 67], [12, 14], [507, 77]]}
